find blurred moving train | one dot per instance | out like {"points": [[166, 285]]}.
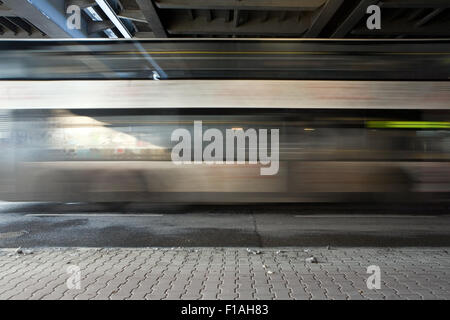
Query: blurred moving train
{"points": [[124, 154], [340, 140]]}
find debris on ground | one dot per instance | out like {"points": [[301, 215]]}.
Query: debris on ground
{"points": [[279, 251], [311, 260], [253, 251], [20, 251], [269, 272], [305, 250], [328, 247]]}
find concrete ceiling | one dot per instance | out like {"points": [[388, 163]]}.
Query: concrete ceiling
{"points": [[224, 18]]}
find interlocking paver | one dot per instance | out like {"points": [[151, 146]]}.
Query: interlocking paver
{"points": [[225, 273]]}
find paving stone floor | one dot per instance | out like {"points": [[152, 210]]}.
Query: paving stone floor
{"points": [[223, 273]]}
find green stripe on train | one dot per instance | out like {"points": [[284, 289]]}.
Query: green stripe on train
{"points": [[408, 124]]}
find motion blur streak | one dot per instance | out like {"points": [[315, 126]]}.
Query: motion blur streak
{"points": [[108, 155], [358, 120], [226, 59], [237, 94]]}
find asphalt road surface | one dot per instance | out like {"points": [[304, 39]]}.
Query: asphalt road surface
{"points": [[32, 225]]}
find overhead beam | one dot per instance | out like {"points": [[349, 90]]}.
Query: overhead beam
{"points": [[48, 16], [236, 18], [8, 25], [34, 35], [396, 13], [429, 17], [148, 9], [6, 12], [322, 18], [272, 27], [80, 3], [191, 13], [144, 35], [106, 7], [415, 4], [394, 29], [21, 24], [97, 26], [353, 18], [415, 14], [209, 15], [134, 15], [26, 10], [280, 5]]}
